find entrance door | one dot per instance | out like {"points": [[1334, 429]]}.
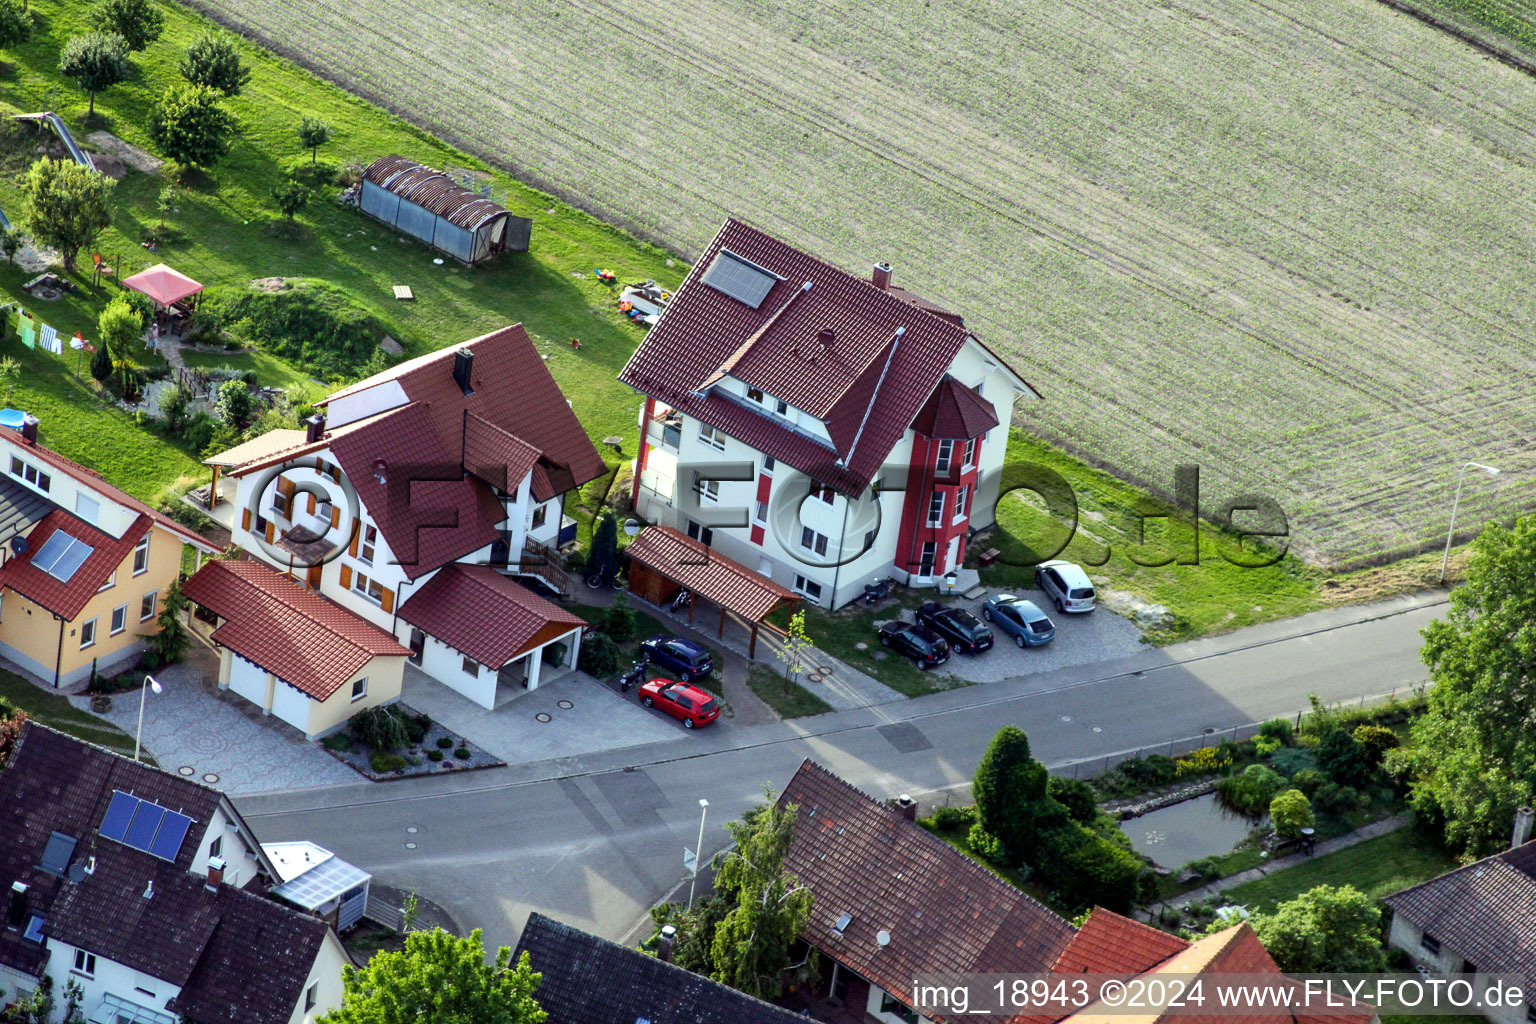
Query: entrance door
{"points": [[313, 579], [951, 555], [417, 645]]}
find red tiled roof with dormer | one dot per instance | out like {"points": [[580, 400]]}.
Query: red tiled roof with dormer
{"points": [[67, 598], [479, 612]]}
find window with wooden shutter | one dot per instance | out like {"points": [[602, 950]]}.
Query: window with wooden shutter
{"points": [[336, 473], [387, 600], [313, 581], [352, 548], [311, 502], [346, 577], [245, 520], [270, 531], [335, 517]]}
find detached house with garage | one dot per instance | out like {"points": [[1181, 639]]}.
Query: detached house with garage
{"points": [[148, 891], [822, 428], [84, 566], [425, 503]]}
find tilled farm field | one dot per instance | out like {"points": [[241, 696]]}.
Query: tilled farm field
{"points": [[1292, 241]]}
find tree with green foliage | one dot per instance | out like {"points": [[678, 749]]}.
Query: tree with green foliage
{"points": [[794, 649], [214, 60], [600, 656], [313, 133], [752, 942], [119, 327], [1343, 759], [101, 364], [15, 23], [1290, 812], [1077, 796], [234, 402], [1375, 741], [191, 126], [10, 373], [171, 639], [175, 408], [11, 721], [10, 243], [619, 620], [290, 196], [96, 61], [165, 201], [439, 977], [1012, 802], [1324, 930], [1476, 748], [139, 22], [603, 562], [67, 206]]}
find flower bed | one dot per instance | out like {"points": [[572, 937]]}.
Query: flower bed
{"points": [[452, 753]]}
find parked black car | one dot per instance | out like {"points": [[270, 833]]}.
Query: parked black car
{"points": [[916, 641], [684, 657], [964, 631]]}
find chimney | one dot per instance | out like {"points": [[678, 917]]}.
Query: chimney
{"points": [[666, 942], [314, 428], [1524, 817], [29, 428], [18, 909], [149, 889], [907, 806], [215, 874], [881, 278], [463, 362]]}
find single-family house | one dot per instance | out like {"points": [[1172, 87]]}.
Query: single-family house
{"points": [[427, 500], [589, 980], [84, 566], [147, 890], [822, 428], [1477, 921]]}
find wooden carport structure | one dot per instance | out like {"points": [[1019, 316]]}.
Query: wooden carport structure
{"points": [[663, 561]]}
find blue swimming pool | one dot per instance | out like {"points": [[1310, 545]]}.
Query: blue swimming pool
{"points": [[12, 418]]}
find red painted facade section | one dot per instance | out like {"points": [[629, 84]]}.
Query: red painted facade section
{"points": [[923, 480], [645, 450]]}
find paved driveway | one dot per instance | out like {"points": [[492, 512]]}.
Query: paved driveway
{"points": [[221, 739]]}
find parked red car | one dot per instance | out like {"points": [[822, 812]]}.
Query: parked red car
{"points": [[694, 706]]}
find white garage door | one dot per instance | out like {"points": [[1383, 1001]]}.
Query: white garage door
{"points": [[291, 706], [248, 680]]}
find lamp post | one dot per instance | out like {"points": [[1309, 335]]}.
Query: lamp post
{"points": [[698, 851], [1445, 559], [149, 683]]}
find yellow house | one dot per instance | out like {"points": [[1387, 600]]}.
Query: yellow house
{"points": [[292, 653], [84, 567]]}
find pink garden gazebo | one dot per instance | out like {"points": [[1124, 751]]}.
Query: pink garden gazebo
{"points": [[166, 286]]}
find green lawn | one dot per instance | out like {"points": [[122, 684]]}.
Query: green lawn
{"points": [[270, 370], [56, 711], [1376, 867], [839, 633], [793, 701]]}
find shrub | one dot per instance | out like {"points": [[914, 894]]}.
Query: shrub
{"points": [[1309, 781], [1343, 759], [311, 323], [383, 762], [1076, 796], [1290, 760], [444, 742], [1203, 762], [1375, 741], [619, 620], [234, 403], [1205, 869], [600, 656], [434, 756], [1149, 772], [214, 60], [1251, 790], [339, 742], [200, 428], [462, 753], [175, 407], [1088, 871], [380, 728], [1278, 729], [1335, 800], [190, 125], [952, 819], [1291, 812], [987, 846], [416, 727]]}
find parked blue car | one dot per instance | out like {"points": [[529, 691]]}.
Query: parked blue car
{"points": [[1020, 619], [685, 658]]}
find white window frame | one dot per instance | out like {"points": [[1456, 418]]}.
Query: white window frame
{"points": [[119, 621], [85, 963], [760, 513], [782, 408], [707, 490], [141, 554], [153, 600], [928, 554], [88, 627], [945, 457], [311, 996], [29, 473], [711, 438], [809, 587], [970, 454], [811, 540], [111, 582], [359, 694], [367, 544], [360, 584], [962, 496], [936, 503], [216, 848], [756, 395]]}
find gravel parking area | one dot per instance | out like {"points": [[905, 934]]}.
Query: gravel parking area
{"points": [[1099, 635]]}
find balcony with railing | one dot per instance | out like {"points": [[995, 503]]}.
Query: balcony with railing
{"points": [[665, 430]]}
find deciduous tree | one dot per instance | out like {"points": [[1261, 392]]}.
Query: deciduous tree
{"points": [[96, 61], [234, 402], [214, 60], [1011, 798], [290, 196], [1326, 929], [313, 133], [15, 23], [792, 651], [139, 22], [67, 206], [119, 326], [191, 126], [1290, 812], [442, 978]]}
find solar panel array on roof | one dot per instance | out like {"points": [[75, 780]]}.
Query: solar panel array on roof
{"points": [[57, 853], [145, 826], [61, 556], [741, 279]]}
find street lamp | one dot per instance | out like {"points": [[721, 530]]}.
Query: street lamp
{"points": [[698, 851], [149, 684], [1454, 505]]}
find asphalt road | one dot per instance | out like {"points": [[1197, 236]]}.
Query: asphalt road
{"points": [[596, 841]]}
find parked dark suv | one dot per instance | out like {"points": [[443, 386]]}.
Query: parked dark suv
{"points": [[964, 631], [684, 657], [916, 641]]}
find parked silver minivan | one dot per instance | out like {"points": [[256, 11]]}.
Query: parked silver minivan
{"points": [[1066, 584]]}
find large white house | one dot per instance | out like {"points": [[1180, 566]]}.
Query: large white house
{"points": [[147, 891], [417, 502], [823, 428]]}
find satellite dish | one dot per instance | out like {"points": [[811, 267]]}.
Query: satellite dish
{"points": [[883, 937], [19, 544], [77, 872], [631, 527]]}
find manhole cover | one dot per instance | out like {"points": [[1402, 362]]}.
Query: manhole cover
{"points": [[813, 677], [210, 778], [826, 670], [1209, 730], [1066, 718], [565, 704], [879, 655], [542, 716], [412, 829], [1098, 728], [410, 846], [861, 646], [187, 769]]}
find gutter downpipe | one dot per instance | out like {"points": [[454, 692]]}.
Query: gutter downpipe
{"points": [[58, 658]]}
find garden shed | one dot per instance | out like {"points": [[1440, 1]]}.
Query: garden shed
{"points": [[431, 206]]}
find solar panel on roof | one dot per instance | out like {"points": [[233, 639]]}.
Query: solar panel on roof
{"points": [[741, 279], [114, 824], [146, 820], [167, 841], [57, 853], [61, 555]]}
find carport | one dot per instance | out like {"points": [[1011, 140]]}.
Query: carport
{"points": [[663, 561]]}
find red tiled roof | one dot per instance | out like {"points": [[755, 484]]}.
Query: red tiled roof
{"points": [[495, 455], [479, 612], [294, 633], [707, 573], [58, 596], [956, 412], [943, 912], [1110, 944], [883, 358]]}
